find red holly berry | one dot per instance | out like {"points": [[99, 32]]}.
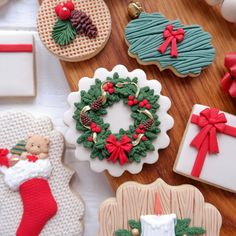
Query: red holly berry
{"points": [[64, 13], [135, 136], [131, 97], [58, 8], [138, 131], [98, 129], [105, 87], [110, 85], [94, 129], [70, 5], [130, 103], [142, 131], [141, 104], [90, 138], [93, 125], [141, 126], [111, 90], [145, 101], [148, 106], [144, 138], [135, 101]]}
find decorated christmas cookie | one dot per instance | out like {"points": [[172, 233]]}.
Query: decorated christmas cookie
{"points": [[74, 30], [17, 64], [228, 83], [118, 120], [158, 209], [153, 39], [208, 147], [35, 197]]}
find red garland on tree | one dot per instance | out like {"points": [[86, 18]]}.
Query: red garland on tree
{"points": [[118, 149]]}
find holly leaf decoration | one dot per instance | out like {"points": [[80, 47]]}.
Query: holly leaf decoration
{"points": [[182, 228], [123, 232], [63, 33]]}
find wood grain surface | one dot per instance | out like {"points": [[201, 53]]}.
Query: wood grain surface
{"points": [[184, 93]]}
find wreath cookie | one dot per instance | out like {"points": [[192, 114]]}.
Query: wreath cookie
{"points": [[125, 148]]}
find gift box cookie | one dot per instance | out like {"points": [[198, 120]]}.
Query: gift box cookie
{"points": [[16, 64], [207, 151]]}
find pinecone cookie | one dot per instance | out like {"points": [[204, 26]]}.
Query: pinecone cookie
{"points": [[72, 30]]}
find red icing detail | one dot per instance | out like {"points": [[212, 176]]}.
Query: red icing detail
{"points": [[130, 103], [39, 207], [148, 106], [135, 101], [94, 129], [90, 138], [141, 126], [141, 104], [158, 210], [228, 83], [135, 136], [105, 87], [64, 13], [98, 129], [32, 158], [110, 85], [16, 47], [144, 138], [111, 90], [210, 121], [70, 5], [93, 125], [131, 97], [118, 149], [171, 37], [4, 160], [142, 131], [145, 101], [58, 8], [138, 131]]}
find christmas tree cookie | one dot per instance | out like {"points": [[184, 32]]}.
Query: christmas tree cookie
{"points": [[130, 133], [153, 39], [158, 209], [74, 30], [35, 196], [207, 151]]}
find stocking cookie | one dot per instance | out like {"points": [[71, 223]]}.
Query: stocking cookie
{"points": [[158, 209], [153, 39], [32, 167], [118, 143]]}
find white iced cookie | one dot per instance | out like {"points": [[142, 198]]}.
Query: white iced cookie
{"points": [[118, 142], [17, 64]]}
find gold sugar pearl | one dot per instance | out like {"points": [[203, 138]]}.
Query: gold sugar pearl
{"points": [[134, 9]]}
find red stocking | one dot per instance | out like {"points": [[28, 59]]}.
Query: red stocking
{"points": [[39, 206]]}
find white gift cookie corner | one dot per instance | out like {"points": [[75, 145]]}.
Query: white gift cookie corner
{"points": [[218, 169], [161, 142]]}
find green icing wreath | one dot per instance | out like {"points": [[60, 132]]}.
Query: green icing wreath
{"points": [[127, 146]]}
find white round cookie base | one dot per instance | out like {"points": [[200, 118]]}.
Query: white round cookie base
{"points": [[162, 141]]}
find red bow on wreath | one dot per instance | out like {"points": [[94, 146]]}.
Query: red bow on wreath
{"points": [[118, 149], [172, 37], [210, 121], [228, 82]]}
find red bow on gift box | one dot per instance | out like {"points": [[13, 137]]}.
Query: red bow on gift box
{"points": [[210, 121], [172, 37], [118, 149], [228, 82]]}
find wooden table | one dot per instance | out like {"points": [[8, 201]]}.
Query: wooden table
{"points": [[183, 93]]}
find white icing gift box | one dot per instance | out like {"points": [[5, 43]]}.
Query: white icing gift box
{"points": [[16, 64], [207, 151]]}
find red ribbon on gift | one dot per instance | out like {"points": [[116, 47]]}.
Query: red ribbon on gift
{"points": [[228, 83], [172, 37], [118, 149], [211, 121], [16, 47]]}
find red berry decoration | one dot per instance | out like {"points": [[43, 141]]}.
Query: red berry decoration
{"points": [[130, 103], [94, 129], [135, 101], [98, 129], [105, 87], [93, 125], [145, 101], [141, 126], [138, 131], [148, 106], [135, 136], [111, 90], [64, 13], [110, 85], [70, 5], [58, 8], [141, 104], [144, 138], [131, 97], [90, 138]]}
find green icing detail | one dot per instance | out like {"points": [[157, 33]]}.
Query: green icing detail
{"points": [[145, 34], [63, 33]]}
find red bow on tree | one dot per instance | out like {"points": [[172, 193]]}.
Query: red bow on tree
{"points": [[228, 82], [210, 121], [172, 37], [4, 161], [118, 149]]}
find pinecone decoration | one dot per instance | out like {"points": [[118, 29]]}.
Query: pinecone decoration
{"points": [[96, 105], [85, 119], [148, 123], [83, 24]]}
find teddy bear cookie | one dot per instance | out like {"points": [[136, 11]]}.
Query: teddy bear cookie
{"points": [[153, 39], [123, 140], [158, 209], [74, 30], [31, 165]]}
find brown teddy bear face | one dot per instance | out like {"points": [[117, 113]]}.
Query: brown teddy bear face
{"points": [[37, 144]]}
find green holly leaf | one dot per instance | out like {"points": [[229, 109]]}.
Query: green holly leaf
{"points": [[123, 232], [63, 33]]}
